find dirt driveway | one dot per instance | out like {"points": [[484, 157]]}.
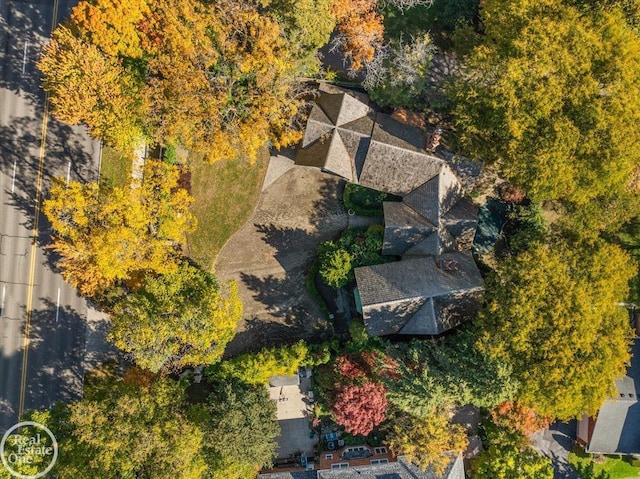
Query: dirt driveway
{"points": [[270, 256]]}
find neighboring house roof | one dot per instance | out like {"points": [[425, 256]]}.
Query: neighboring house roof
{"points": [[402, 469], [426, 295], [302, 474], [278, 381], [617, 427]]}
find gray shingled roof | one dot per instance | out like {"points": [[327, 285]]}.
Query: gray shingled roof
{"points": [[337, 135], [396, 170], [290, 475], [404, 228], [617, 428], [402, 469], [345, 137], [418, 294]]}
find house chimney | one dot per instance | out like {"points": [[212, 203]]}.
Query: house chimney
{"points": [[448, 265], [434, 139]]}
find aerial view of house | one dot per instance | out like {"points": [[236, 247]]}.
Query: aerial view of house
{"points": [[319, 239]]}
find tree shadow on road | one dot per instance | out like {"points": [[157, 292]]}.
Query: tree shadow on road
{"points": [[24, 26], [55, 368], [20, 159]]}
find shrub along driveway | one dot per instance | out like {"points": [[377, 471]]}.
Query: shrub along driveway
{"points": [[270, 255]]}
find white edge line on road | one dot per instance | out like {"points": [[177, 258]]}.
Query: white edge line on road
{"points": [[24, 57], [13, 181], [4, 292], [58, 306], [68, 172]]}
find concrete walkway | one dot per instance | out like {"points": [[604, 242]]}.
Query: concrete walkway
{"points": [[140, 154]]}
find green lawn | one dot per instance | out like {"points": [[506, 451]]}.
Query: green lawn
{"points": [[225, 196], [612, 468], [115, 168]]}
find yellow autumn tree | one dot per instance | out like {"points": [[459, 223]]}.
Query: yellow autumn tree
{"points": [[361, 29], [218, 77], [175, 320], [112, 25], [429, 441], [112, 234], [551, 315], [87, 86]]}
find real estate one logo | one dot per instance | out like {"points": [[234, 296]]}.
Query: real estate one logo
{"points": [[34, 450]]}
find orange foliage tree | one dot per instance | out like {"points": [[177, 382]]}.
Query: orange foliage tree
{"points": [[218, 77], [517, 417], [360, 30]]}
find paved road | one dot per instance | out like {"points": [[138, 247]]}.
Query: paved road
{"points": [[34, 300]]}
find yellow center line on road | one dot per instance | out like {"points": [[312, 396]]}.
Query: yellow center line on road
{"points": [[34, 238], [34, 250]]}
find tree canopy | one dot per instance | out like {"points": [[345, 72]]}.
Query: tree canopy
{"points": [[552, 94], [128, 429], [143, 426], [429, 441], [450, 372], [240, 422], [217, 77], [551, 315], [509, 461], [105, 235], [258, 368], [177, 319]]}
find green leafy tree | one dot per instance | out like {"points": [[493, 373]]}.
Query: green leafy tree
{"points": [[528, 227], [551, 315], [259, 367], [335, 267], [509, 461], [551, 96], [432, 375], [240, 420], [128, 429], [308, 25], [177, 319]]}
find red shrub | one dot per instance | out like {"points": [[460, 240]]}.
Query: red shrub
{"points": [[349, 369], [360, 408]]}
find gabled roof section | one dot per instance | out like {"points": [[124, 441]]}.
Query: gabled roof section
{"points": [[404, 228], [342, 108], [431, 246], [318, 125], [337, 135], [437, 196], [442, 292], [338, 159], [617, 428], [397, 134], [397, 170]]}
